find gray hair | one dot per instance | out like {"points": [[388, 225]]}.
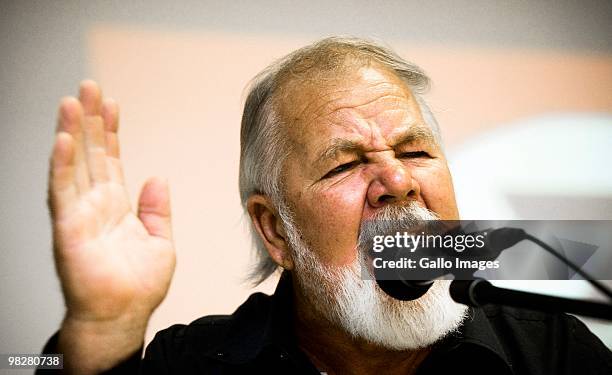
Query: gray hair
{"points": [[263, 143]]}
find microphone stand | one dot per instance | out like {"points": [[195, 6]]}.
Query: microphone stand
{"points": [[481, 292]]}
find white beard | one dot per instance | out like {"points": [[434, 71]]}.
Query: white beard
{"points": [[362, 309]]}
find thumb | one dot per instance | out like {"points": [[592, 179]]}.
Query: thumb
{"points": [[154, 208]]}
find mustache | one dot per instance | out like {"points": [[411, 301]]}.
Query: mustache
{"points": [[395, 218]]}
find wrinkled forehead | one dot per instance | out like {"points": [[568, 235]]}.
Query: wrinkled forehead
{"points": [[349, 105]]}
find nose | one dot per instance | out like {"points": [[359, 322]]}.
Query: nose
{"points": [[392, 183]]}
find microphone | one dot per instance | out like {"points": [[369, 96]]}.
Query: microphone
{"points": [[496, 241], [405, 290]]}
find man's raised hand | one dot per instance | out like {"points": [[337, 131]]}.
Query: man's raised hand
{"points": [[115, 265]]}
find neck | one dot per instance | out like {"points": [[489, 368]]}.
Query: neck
{"points": [[334, 351]]}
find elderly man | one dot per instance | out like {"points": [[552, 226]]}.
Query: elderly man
{"points": [[335, 136]]}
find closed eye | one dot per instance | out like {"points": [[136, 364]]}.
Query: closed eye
{"points": [[341, 168], [414, 154]]}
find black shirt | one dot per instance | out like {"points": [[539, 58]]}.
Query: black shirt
{"points": [[258, 338]]}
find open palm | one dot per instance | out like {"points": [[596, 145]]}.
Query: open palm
{"points": [[112, 262]]}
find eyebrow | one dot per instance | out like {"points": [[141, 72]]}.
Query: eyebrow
{"points": [[342, 145]]}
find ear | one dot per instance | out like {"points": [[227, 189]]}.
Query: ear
{"points": [[270, 228]]}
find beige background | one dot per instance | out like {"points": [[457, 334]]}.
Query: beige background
{"points": [[178, 71]]}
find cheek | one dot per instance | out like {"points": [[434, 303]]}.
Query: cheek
{"points": [[332, 220], [437, 192]]}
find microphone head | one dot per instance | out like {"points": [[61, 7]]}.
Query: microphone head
{"points": [[405, 290]]}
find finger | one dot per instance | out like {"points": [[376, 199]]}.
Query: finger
{"points": [[70, 120], [95, 149], [90, 97], [154, 208], [93, 132], [70, 113], [62, 185], [115, 170], [110, 114]]}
